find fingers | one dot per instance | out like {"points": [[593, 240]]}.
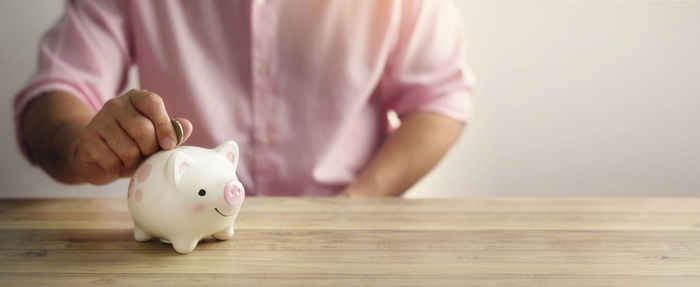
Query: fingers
{"points": [[121, 144], [142, 116], [152, 106], [98, 152], [140, 129]]}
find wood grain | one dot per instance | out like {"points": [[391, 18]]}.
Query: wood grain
{"points": [[365, 242]]}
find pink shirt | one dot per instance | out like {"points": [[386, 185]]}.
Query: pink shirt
{"points": [[303, 86]]}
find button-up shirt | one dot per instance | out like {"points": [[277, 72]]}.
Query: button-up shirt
{"points": [[303, 86]]}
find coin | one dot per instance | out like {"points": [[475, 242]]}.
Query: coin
{"points": [[179, 132]]}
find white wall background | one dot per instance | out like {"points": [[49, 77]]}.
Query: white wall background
{"points": [[574, 99]]}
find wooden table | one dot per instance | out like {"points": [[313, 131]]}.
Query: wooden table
{"points": [[365, 242]]}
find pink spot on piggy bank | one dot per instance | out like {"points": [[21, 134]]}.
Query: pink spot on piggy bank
{"points": [[138, 194], [144, 172], [185, 194]]}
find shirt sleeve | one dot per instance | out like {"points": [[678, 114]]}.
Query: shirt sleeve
{"points": [[86, 53], [426, 70]]}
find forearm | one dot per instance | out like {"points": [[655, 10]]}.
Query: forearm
{"points": [[407, 155], [51, 125]]}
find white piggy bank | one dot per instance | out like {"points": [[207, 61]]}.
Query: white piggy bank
{"points": [[185, 194]]}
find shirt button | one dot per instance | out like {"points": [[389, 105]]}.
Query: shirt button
{"points": [[263, 140], [259, 2]]}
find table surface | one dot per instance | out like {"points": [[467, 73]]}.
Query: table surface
{"points": [[367, 242]]}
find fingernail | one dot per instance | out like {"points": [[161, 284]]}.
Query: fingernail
{"points": [[168, 143]]}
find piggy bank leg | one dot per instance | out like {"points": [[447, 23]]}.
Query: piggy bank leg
{"points": [[224, 234], [184, 246], [140, 234]]}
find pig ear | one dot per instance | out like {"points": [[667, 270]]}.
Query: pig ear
{"points": [[229, 149], [178, 163]]}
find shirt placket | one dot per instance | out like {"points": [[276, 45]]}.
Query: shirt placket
{"points": [[262, 40]]}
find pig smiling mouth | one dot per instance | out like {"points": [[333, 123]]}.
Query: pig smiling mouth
{"points": [[219, 212]]}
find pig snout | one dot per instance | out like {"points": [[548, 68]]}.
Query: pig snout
{"points": [[234, 193]]}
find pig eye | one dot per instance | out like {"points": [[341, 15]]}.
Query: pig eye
{"points": [[202, 192]]}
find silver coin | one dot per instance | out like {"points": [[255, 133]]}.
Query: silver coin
{"points": [[179, 132]]}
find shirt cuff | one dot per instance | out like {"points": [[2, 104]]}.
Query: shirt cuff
{"points": [[455, 105]]}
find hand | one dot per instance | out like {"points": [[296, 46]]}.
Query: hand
{"points": [[406, 155], [117, 139]]}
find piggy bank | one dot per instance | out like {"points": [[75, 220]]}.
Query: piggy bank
{"points": [[185, 194]]}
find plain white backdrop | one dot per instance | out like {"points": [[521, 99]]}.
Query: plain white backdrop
{"points": [[574, 98]]}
